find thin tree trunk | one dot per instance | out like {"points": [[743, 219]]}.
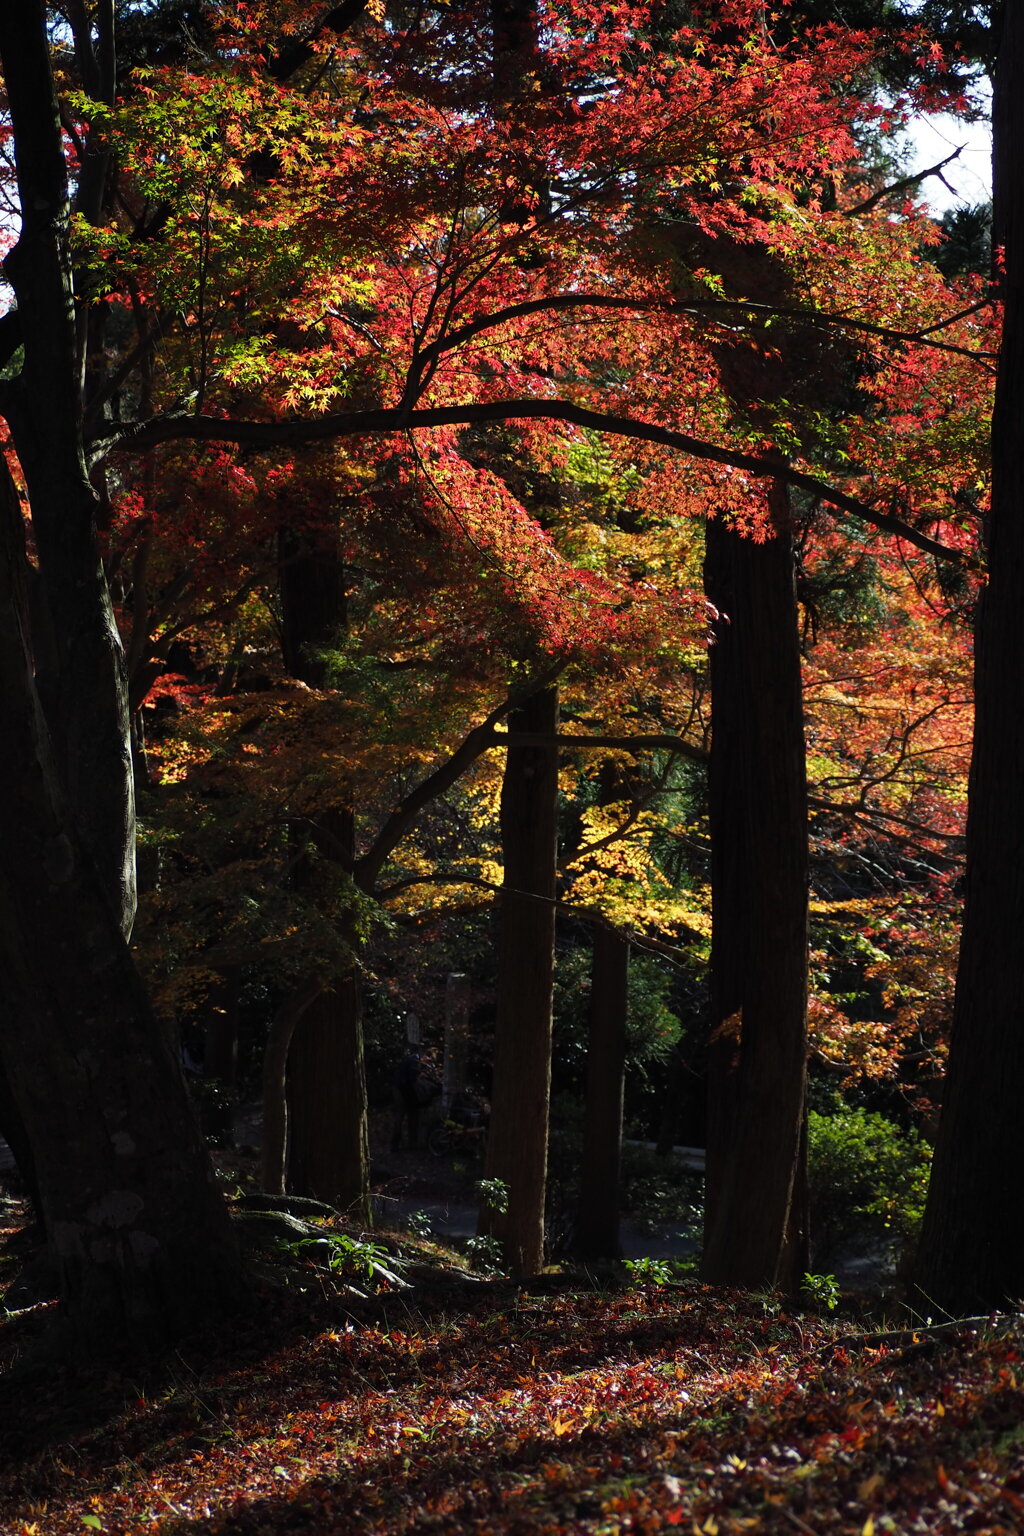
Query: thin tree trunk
{"points": [[328, 1138], [517, 1143], [275, 1099], [754, 1235], [597, 1215], [971, 1255]]}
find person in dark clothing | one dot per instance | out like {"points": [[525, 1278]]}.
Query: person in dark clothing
{"points": [[404, 1083]]}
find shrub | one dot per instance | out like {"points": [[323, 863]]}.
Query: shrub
{"points": [[867, 1181]]}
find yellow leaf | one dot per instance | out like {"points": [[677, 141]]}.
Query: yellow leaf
{"points": [[869, 1527]]}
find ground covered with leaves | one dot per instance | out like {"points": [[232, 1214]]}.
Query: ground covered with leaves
{"points": [[464, 1405]]}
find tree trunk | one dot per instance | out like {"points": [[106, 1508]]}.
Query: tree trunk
{"points": [[328, 1142], [328, 1136], [139, 1235], [517, 1143], [138, 1232], [971, 1256], [275, 1098], [754, 1232], [80, 673], [597, 1215]]}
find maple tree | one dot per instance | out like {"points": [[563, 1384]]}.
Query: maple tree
{"points": [[347, 236]]}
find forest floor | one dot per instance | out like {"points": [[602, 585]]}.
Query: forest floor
{"points": [[482, 1406]]}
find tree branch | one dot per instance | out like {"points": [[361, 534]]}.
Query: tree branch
{"points": [[557, 302], [264, 435], [483, 736], [904, 184], [337, 20]]}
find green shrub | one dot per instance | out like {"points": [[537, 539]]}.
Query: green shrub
{"points": [[867, 1181]]}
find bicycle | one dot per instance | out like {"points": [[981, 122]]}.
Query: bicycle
{"points": [[455, 1136]]}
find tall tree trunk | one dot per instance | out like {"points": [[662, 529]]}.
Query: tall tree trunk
{"points": [[597, 1215], [136, 1227], [755, 1232], [83, 686], [328, 1137], [135, 1224], [275, 1100], [971, 1255], [328, 1144], [517, 1143]]}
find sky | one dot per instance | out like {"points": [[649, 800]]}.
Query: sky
{"points": [[969, 177]]}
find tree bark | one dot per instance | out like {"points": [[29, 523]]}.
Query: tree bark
{"points": [[83, 690], [517, 1143], [275, 1101], [597, 1215], [136, 1227], [328, 1135], [754, 1231], [971, 1255], [139, 1235]]}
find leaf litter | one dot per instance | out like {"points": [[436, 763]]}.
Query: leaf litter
{"points": [[506, 1411]]}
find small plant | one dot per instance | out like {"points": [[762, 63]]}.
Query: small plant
{"points": [[493, 1192], [419, 1223], [352, 1259], [650, 1271], [484, 1253], [821, 1291]]}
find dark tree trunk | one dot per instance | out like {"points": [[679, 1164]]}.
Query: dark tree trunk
{"points": [[80, 673], [328, 1144], [971, 1256], [754, 1230], [517, 1143], [328, 1138], [138, 1233], [597, 1215], [275, 1098], [136, 1228]]}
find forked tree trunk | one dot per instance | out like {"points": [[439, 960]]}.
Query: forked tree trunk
{"points": [[755, 1228], [597, 1216], [971, 1256], [517, 1143]]}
